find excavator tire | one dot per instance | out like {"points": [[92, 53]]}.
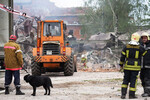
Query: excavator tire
{"points": [[69, 67], [35, 68]]}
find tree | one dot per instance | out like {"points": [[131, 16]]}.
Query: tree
{"points": [[140, 12], [106, 15]]}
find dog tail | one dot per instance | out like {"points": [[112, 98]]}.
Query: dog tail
{"points": [[51, 83]]}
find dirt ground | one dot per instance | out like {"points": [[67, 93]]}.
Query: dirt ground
{"points": [[80, 86]]}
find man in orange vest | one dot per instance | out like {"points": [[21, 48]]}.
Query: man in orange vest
{"points": [[13, 64]]}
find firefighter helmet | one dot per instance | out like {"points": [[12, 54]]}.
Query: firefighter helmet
{"points": [[145, 34], [13, 37], [135, 37], [82, 56]]}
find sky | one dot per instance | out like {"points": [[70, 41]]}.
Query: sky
{"points": [[68, 3]]}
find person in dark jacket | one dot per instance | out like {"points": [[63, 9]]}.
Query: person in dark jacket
{"points": [[13, 63], [145, 70], [130, 61]]}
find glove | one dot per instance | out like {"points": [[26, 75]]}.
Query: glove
{"points": [[121, 69]]}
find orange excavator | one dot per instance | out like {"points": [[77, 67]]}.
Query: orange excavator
{"points": [[52, 53]]}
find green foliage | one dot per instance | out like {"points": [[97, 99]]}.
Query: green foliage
{"points": [[105, 15], [140, 11]]}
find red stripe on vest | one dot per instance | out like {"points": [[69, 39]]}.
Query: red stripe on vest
{"points": [[9, 47], [13, 69]]}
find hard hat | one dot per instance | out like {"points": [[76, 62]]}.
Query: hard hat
{"points": [[135, 37], [145, 34], [82, 56], [69, 36], [13, 37]]}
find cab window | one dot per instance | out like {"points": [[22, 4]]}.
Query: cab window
{"points": [[52, 29]]}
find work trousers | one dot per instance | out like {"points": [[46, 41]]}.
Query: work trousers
{"points": [[145, 79], [8, 77], [130, 77]]}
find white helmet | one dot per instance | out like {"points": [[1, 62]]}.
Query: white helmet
{"points": [[135, 37], [145, 34], [82, 56]]}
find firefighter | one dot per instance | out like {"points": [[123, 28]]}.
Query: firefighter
{"points": [[83, 60], [13, 64], [145, 71], [130, 61]]}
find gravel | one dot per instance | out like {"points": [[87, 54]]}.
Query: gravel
{"points": [[80, 86]]}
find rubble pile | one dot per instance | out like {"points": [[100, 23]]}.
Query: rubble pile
{"points": [[97, 61], [102, 55], [26, 37]]}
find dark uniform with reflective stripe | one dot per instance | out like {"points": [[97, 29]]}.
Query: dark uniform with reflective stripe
{"points": [[131, 59], [145, 71]]}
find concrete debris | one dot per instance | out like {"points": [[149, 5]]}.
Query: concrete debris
{"points": [[26, 37], [112, 88], [95, 60], [101, 36], [102, 51]]}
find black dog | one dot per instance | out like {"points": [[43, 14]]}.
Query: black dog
{"points": [[36, 81]]}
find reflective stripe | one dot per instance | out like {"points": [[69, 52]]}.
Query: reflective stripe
{"points": [[18, 51], [132, 67], [136, 63], [137, 54], [147, 48], [121, 62], [147, 66], [123, 53], [126, 63], [18, 85], [9, 47], [13, 69], [124, 86], [147, 87], [132, 89], [127, 53], [144, 53]]}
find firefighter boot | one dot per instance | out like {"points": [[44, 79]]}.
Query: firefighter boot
{"points": [[145, 94], [6, 90], [123, 93], [132, 95], [18, 92]]}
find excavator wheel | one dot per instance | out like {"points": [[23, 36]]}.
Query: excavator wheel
{"points": [[35, 68], [69, 67]]}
